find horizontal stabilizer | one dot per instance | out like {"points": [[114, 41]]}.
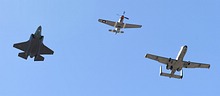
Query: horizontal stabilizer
{"points": [[115, 31], [39, 58], [112, 30], [22, 55], [170, 75]]}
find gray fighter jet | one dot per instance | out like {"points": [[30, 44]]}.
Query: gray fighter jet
{"points": [[34, 47]]}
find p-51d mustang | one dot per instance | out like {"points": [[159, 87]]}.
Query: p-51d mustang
{"points": [[120, 24], [176, 64]]}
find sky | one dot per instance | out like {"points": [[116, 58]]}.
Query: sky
{"points": [[91, 61]]}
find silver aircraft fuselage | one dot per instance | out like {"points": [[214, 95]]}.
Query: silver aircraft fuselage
{"points": [[119, 23], [178, 65]]}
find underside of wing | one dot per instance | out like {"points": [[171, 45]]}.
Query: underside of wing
{"points": [[111, 23], [132, 26], [45, 50], [160, 59], [195, 65], [22, 46]]}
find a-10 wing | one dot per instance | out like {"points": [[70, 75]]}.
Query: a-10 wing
{"points": [[186, 64], [195, 65], [160, 59]]}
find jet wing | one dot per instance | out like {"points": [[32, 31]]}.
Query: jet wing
{"points": [[132, 26], [45, 50], [111, 23], [160, 59], [22, 46], [195, 65]]}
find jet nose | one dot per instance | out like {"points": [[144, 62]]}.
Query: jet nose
{"points": [[38, 31], [185, 46], [39, 27]]}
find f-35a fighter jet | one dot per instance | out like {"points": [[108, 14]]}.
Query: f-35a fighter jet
{"points": [[34, 47]]}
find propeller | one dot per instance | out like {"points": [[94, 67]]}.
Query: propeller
{"points": [[127, 18], [123, 15]]}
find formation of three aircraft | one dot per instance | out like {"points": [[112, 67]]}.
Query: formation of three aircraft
{"points": [[34, 47]]}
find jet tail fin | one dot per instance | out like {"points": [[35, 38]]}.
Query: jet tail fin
{"points": [[170, 75], [39, 58], [23, 55]]}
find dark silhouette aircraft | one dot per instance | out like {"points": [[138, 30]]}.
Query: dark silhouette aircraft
{"points": [[34, 47]]}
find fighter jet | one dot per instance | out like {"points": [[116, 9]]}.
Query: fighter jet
{"points": [[120, 24], [34, 47], [176, 64]]}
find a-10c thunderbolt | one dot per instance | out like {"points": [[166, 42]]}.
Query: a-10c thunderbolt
{"points": [[176, 64], [34, 47]]}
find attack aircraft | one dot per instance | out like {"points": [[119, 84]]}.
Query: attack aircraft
{"points": [[176, 64]]}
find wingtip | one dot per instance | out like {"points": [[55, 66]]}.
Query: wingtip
{"points": [[13, 45], [52, 52], [99, 20], [146, 56]]}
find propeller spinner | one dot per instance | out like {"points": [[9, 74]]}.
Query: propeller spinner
{"points": [[123, 15]]}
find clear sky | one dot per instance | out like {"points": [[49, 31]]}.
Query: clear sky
{"points": [[90, 61]]}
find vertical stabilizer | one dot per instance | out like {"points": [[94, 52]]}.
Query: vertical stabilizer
{"points": [[160, 70], [181, 73]]}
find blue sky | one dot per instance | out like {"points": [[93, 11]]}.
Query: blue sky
{"points": [[90, 61]]}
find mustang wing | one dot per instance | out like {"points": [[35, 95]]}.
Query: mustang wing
{"points": [[160, 59], [22, 46], [111, 23], [195, 65], [132, 26], [45, 50]]}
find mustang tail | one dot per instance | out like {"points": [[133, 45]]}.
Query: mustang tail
{"points": [[115, 31]]}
